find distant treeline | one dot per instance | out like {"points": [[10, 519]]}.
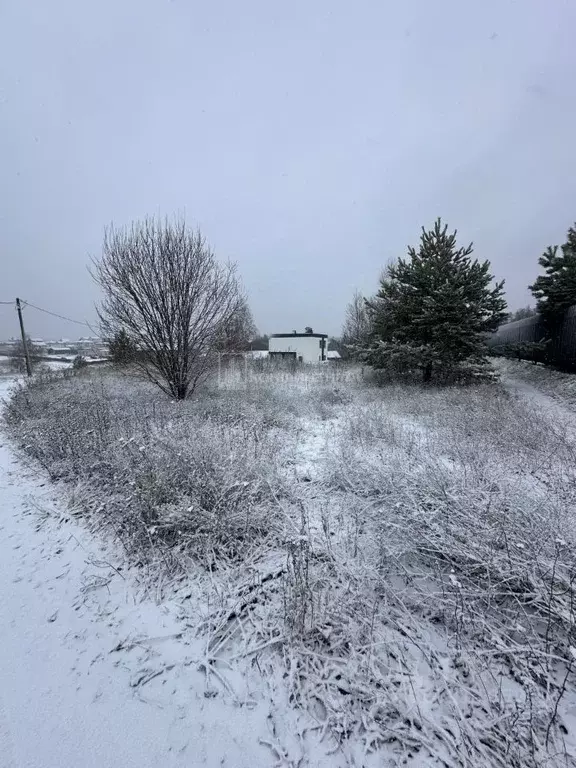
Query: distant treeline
{"points": [[528, 339]]}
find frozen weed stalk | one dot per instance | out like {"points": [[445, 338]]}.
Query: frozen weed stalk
{"points": [[298, 594]]}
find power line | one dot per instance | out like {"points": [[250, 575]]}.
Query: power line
{"points": [[7, 302], [55, 314]]}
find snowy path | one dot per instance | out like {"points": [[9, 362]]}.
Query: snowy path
{"points": [[67, 699], [561, 414]]}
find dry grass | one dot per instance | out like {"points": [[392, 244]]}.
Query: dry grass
{"points": [[172, 480], [398, 560], [443, 583]]}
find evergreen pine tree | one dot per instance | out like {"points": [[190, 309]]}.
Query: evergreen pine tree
{"points": [[122, 349], [434, 309], [555, 291]]}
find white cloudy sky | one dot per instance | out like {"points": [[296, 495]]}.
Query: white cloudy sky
{"points": [[308, 140]]}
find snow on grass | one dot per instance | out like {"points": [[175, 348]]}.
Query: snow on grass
{"points": [[556, 384], [94, 671], [56, 365], [468, 529], [390, 568]]}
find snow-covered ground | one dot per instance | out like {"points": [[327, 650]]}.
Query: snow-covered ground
{"points": [[529, 378], [549, 391], [57, 365], [93, 672], [398, 660]]}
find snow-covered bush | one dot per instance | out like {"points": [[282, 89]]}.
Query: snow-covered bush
{"points": [[162, 475]]}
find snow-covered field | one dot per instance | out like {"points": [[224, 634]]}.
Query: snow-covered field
{"points": [[292, 570]]}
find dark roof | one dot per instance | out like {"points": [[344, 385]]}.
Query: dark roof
{"points": [[298, 335]]}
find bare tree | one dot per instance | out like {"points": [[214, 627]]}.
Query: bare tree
{"points": [[239, 330], [357, 322], [521, 314], [18, 358], [163, 286]]}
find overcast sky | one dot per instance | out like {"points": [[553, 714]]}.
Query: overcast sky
{"points": [[309, 140]]}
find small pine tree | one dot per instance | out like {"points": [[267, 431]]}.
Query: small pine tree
{"points": [[122, 348], [435, 309], [555, 291]]}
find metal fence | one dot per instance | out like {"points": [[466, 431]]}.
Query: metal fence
{"points": [[561, 350]]}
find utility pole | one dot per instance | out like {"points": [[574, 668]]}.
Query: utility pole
{"points": [[24, 343]]}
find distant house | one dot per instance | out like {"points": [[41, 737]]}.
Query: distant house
{"points": [[307, 347]]}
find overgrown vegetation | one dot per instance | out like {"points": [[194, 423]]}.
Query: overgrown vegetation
{"points": [[463, 546], [165, 481], [406, 553]]}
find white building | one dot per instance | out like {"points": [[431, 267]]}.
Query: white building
{"points": [[304, 347]]}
